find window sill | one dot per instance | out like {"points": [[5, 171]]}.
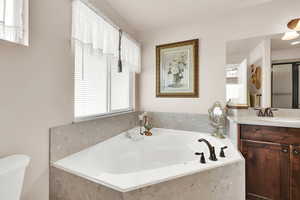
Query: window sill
{"points": [[106, 115]]}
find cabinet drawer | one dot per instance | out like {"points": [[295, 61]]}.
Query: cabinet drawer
{"points": [[273, 134]]}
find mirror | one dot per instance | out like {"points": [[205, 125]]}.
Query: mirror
{"points": [[263, 72]]}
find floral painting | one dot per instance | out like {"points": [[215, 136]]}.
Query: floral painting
{"points": [[177, 69]]}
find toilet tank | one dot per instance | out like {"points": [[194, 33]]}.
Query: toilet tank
{"points": [[12, 171]]}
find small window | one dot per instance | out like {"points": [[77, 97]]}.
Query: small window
{"points": [[121, 89], [99, 87], [14, 21], [102, 86], [91, 83]]}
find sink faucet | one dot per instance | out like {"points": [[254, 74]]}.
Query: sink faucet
{"points": [[211, 148], [267, 112]]}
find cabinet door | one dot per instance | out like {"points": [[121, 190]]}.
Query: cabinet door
{"points": [[295, 173], [267, 170]]}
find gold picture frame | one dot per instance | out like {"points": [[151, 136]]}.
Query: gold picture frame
{"points": [[177, 69]]}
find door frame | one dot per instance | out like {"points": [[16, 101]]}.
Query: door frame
{"points": [[295, 82]]}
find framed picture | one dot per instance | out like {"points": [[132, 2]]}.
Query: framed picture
{"points": [[177, 69]]}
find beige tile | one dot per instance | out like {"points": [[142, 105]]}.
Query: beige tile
{"points": [[68, 139], [223, 183]]}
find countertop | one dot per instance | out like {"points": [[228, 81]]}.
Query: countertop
{"points": [[292, 122]]}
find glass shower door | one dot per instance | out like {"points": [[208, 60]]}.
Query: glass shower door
{"points": [[282, 86]]}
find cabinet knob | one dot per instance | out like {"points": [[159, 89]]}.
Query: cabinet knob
{"points": [[296, 152], [285, 150]]}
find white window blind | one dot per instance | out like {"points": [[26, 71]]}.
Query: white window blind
{"points": [[90, 83], [120, 88], [13, 15], [99, 87]]}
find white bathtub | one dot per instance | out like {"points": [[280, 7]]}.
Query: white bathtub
{"points": [[125, 165]]}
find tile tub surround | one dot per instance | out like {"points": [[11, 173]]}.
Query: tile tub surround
{"points": [[181, 121], [68, 139], [125, 164], [226, 183]]}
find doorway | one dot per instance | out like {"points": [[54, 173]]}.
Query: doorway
{"points": [[285, 85]]}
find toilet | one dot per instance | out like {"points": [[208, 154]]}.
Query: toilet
{"points": [[12, 171]]}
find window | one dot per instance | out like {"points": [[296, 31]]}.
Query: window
{"points": [[91, 83], [236, 83], [99, 86], [14, 21], [121, 89], [232, 91]]}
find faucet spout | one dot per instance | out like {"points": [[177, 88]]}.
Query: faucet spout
{"points": [[211, 148]]}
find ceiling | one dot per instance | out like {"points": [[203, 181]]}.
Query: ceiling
{"points": [[278, 44], [246, 45], [239, 49], [151, 14], [242, 47]]}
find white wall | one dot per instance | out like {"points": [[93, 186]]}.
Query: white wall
{"points": [[213, 34], [255, 57], [37, 89], [286, 54], [243, 82], [261, 56]]}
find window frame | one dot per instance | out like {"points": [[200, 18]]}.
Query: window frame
{"points": [[110, 111], [109, 79]]}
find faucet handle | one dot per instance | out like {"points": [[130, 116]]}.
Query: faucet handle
{"points": [[213, 156], [202, 158], [261, 112], [222, 154], [271, 114]]}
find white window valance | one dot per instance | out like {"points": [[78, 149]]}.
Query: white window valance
{"points": [[93, 31], [131, 54], [12, 13]]}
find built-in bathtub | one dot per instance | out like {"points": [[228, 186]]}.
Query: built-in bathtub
{"points": [[124, 165]]}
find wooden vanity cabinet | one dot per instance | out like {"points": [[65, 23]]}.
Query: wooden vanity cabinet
{"points": [[295, 173], [272, 157]]}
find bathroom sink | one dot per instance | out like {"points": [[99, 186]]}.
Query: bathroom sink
{"points": [[281, 119]]}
